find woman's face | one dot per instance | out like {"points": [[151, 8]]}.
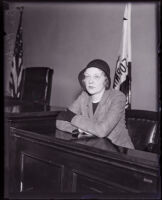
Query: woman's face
{"points": [[95, 80]]}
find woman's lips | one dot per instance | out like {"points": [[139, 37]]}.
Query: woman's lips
{"points": [[91, 87]]}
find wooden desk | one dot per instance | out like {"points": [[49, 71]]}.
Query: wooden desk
{"points": [[25, 114], [15, 109], [55, 165]]}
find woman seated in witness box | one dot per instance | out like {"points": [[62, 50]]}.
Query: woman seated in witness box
{"points": [[98, 110]]}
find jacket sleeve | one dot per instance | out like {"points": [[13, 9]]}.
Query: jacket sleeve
{"points": [[109, 121], [64, 125]]}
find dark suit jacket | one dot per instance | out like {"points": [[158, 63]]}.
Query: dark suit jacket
{"points": [[107, 121]]}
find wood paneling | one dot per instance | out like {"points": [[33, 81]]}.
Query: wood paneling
{"points": [[46, 165]]}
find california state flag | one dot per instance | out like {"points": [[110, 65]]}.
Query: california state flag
{"points": [[122, 78]]}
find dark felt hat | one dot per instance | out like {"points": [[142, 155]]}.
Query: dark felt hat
{"points": [[97, 63]]}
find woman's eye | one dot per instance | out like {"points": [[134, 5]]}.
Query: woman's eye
{"points": [[93, 77], [96, 77]]}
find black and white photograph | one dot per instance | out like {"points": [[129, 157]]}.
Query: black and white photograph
{"points": [[81, 99]]}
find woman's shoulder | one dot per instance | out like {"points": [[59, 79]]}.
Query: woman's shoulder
{"points": [[83, 95], [117, 93]]}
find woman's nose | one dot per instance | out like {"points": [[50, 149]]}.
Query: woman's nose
{"points": [[91, 80]]}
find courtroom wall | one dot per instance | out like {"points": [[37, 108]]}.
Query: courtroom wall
{"points": [[66, 37]]}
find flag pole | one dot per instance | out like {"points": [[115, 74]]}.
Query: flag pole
{"points": [[129, 33], [129, 87], [129, 55]]}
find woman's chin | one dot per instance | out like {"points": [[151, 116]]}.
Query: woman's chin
{"points": [[91, 92]]}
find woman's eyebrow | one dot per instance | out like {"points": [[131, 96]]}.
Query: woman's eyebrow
{"points": [[98, 74], [86, 74]]}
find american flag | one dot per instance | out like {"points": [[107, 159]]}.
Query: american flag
{"points": [[122, 78], [17, 62]]}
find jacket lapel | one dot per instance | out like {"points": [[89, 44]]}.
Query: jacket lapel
{"points": [[89, 104], [90, 109], [102, 102]]}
